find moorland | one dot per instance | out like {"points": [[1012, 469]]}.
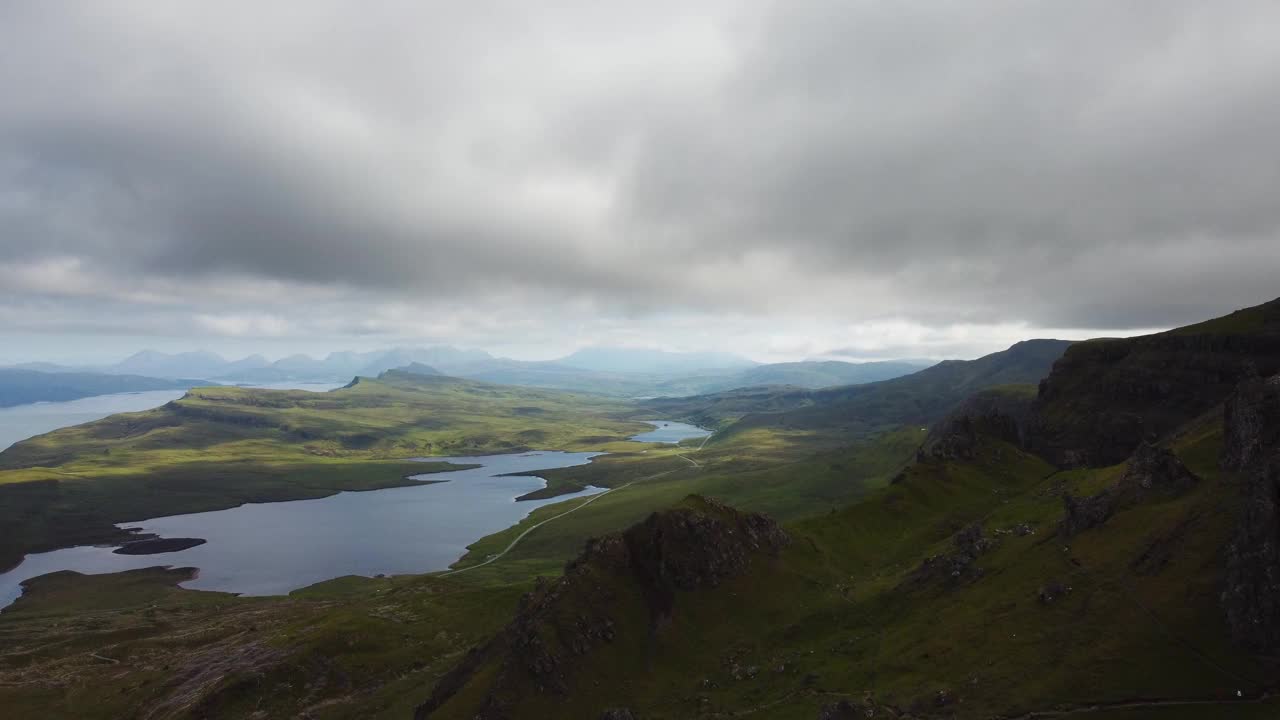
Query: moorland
{"points": [[1057, 528]]}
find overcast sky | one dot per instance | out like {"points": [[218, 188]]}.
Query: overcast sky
{"points": [[781, 179]]}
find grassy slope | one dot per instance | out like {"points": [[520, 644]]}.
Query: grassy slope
{"points": [[828, 620], [370, 647], [220, 447], [132, 645], [833, 617], [787, 490], [842, 615]]}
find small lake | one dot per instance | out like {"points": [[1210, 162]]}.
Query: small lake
{"points": [[20, 422], [273, 548], [670, 432]]}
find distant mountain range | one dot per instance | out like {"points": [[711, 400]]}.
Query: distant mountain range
{"points": [[21, 386], [629, 372], [336, 366]]}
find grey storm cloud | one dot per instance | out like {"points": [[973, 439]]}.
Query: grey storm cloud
{"points": [[1067, 164]]}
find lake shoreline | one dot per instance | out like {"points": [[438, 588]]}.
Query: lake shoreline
{"points": [[401, 539], [118, 536]]}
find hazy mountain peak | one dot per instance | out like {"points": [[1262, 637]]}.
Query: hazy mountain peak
{"points": [[650, 360], [198, 363]]}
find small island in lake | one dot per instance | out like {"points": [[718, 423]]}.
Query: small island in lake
{"points": [[156, 546]]}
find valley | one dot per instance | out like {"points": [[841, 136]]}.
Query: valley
{"points": [[939, 545], [639, 361]]}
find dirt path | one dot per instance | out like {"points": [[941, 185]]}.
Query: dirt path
{"points": [[520, 537], [1138, 705], [576, 508]]}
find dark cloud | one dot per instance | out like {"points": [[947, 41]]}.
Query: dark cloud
{"points": [[1092, 165]]}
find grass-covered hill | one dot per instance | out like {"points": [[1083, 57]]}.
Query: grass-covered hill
{"points": [[919, 398], [219, 447], [969, 574], [19, 386], [985, 581]]}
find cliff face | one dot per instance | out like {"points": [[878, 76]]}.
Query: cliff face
{"points": [[1251, 597], [623, 587], [1104, 397], [1003, 412], [1107, 401]]}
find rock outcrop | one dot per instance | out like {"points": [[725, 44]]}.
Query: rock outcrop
{"points": [[561, 622], [1151, 471], [957, 567], [1086, 513], [1251, 597], [1251, 422], [1156, 468], [691, 549]]}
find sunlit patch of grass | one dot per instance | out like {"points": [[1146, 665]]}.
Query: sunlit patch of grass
{"points": [[219, 447]]}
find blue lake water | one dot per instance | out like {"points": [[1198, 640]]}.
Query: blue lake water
{"points": [[670, 432], [23, 421], [273, 548]]}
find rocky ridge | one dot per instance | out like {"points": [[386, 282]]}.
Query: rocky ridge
{"points": [[562, 621]]}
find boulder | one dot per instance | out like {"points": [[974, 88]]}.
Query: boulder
{"points": [[1051, 591], [1085, 513]]}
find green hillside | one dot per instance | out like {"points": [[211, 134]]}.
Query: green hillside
{"points": [[820, 556], [219, 447], [982, 582]]}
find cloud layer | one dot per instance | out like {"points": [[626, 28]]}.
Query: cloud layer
{"points": [[730, 172]]}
